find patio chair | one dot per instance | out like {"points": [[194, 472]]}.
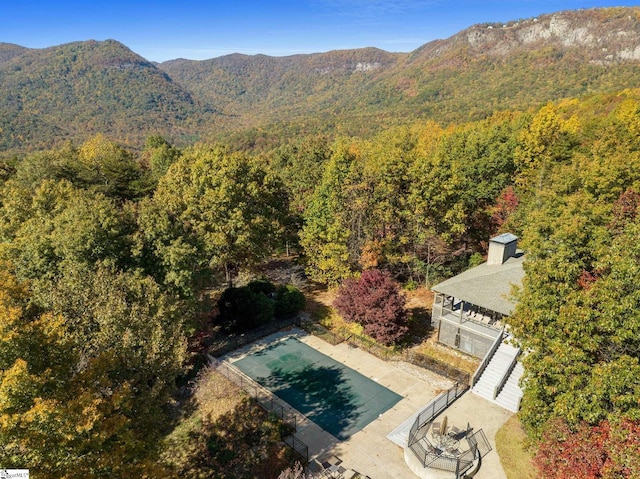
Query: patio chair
{"points": [[435, 429], [453, 451]]}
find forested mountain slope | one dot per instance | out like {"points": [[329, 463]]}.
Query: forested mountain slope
{"points": [[520, 64], [479, 70], [9, 50], [75, 90], [292, 85]]}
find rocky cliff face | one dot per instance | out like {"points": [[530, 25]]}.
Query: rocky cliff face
{"points": [[603, 35], [598, 35]]}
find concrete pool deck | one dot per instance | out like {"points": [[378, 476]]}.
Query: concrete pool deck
{"points": [[369, 451]]}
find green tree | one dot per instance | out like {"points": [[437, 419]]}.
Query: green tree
{"points": [[486, 156], [56, 225], [109, 169], [547, 141], [300, 164], [86, 373], [385, 225], [560, 241], [212, 212], [55, 164], [127, 323], [577, 316], [7, 170], [98, 164], [159, 155], [455, 182], [325, 235]]}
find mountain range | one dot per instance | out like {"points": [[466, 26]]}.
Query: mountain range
{"points": [[73, 91]]}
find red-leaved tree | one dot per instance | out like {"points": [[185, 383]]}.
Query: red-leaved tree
{"points": [[567, 454], [623, 451], [605, 451], [375, 302], [625, 209], [505, 205]]}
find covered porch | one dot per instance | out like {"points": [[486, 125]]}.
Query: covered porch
{"points": [[465, 326]]}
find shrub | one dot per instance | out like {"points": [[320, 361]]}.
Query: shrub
{"points": [[289, 300], [257, 303], [242, 309], [587, 451], [374, 301], [263, 286], [475, 259], [411, 285]]}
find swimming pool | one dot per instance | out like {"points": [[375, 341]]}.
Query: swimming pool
{"points": [[337, 398]]}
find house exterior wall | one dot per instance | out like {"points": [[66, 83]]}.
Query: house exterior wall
{"points": [[458, 328], [464, 340]]}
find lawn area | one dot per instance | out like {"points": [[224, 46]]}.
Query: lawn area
{"points": [[510, 446]]}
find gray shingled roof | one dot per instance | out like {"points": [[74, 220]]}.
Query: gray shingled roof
{"points": [[487, 286]]}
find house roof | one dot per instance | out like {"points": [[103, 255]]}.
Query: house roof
{"points": [[487, 286]]}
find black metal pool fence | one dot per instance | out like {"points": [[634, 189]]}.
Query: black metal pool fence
{"points": [[417, 443], [268, 401], [225, 344], [417, 359]]}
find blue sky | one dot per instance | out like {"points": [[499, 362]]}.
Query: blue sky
{"points": [[197, 29]]}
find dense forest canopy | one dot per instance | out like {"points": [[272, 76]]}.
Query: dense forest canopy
{"points": [[110, 244]]}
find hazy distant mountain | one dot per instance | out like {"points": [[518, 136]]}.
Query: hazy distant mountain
{"points": [[483, 68], [9, 50], [74, 90]]}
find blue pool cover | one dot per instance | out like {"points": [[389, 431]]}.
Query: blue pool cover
{"points": [[337, 398]]}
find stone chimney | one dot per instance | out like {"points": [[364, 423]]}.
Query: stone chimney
{"points": [[501, 248]]}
